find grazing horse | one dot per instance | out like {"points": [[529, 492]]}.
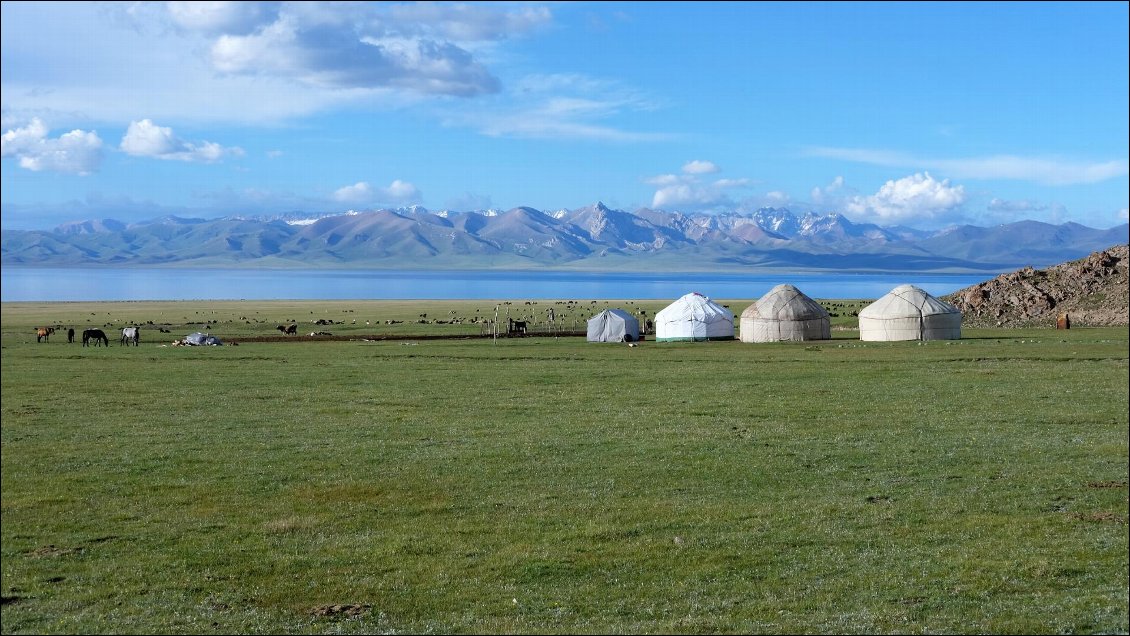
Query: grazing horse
{"points": [[97, 335], [290, 330], [131, 334], [43, 333], [1063, 322], [71, 335]]}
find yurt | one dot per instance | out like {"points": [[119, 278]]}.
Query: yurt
{"points": [[614, 325], [785, 313], [694, 317], [909, 313]]}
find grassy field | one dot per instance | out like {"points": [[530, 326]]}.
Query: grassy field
{"points": [[549, 485]]}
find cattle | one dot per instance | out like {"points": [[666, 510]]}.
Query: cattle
{"points": [[97, 335], [42, 334], [130, 334]]}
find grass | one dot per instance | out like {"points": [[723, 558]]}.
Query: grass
{"points": [[542, 485]]}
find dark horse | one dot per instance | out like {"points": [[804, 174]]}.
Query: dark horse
{"points": [[97, 335], [289, 330]]}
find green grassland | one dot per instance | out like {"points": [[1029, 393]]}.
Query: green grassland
{"points": [[550, 485]]}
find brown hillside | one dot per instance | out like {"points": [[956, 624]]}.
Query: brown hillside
{"points": [[1092, 291]]}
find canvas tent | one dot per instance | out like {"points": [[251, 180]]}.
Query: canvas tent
{"points": [[694, 317], [909, 313], [613, 325], [785, 313], [199, 339]]}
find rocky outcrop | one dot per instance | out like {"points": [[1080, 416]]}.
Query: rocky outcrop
{"points": [[1092, 291]]}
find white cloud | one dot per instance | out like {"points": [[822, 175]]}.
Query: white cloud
{"points": [[566, 106], [1001, 205], [146, 139], [918, 197], [1042, 170], [688, 192], [352, 49], [360, 192], [1124, 214], [397, 193], [222, 17], [76, 152], [699, 167]]}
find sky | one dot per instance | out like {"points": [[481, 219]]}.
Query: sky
{"points": [[918, 114]]}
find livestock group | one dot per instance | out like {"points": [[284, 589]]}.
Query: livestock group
{"points": [[92, 337]]}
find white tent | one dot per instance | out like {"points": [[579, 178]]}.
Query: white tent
{"points": [[909, 313], [613, 325], [694, 317], [785, 313]]}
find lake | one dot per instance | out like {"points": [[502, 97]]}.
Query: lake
{"points": [[41, 284]]}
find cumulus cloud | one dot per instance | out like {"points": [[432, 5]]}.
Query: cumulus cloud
{"points": [[918, 197], [146, 139], [428, 48], [222, 17], [397, 193], [1043, 170], [689, 192], [76, 152], [699, 167]]}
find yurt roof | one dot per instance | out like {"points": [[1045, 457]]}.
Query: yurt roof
{"points": [[907, 300], [697, 306], [785, 302]]}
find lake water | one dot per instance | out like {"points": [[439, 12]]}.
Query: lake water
{"points": [[41, 284]]}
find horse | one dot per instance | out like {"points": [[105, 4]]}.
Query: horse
{"points": [[71, 335], [289, 330], [43, 333], [131, 334], [97, 335]]}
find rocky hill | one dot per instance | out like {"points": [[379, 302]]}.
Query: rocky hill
{"points": [[1092, 291]]}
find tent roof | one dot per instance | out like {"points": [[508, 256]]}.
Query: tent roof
{"points": [[695, 306], [785, 302], [907, 301], [619, 313]]}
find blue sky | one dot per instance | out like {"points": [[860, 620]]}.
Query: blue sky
{"points": [[919, 114]]}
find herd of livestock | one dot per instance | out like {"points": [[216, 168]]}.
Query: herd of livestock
{"points": [[91, 337]]}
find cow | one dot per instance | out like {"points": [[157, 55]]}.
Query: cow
{"points": [[130, 334], [42, 334], [97, 335]]}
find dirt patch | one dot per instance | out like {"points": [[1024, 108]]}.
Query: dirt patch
{"points": [[54, 551], [1100, 517], [339, 610], [1107, 484]]}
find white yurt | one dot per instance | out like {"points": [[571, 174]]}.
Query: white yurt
{"points": [[694, 317], [909, 313], [613, 325], [785, 313]]}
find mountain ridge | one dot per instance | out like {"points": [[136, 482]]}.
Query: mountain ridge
{"points": [[584, 238]]}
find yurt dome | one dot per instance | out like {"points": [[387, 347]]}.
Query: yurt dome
{"points": [[694, 317], [613, 325], [785, 313], [909, 313]]}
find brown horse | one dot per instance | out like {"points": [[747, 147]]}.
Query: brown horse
{"points": [[43, 333]]}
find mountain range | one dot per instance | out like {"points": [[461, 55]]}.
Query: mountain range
{"points": [[594, 237]]}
